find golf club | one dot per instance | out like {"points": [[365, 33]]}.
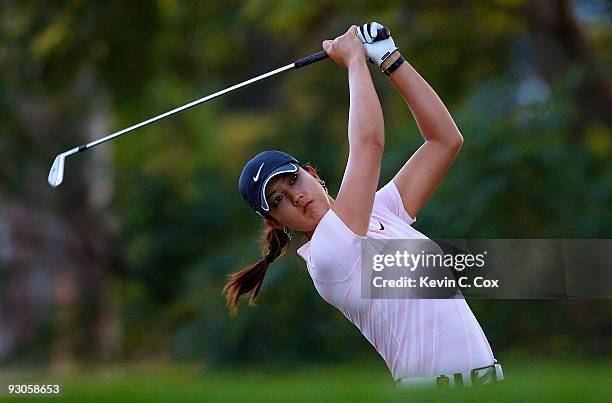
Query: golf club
{"points": [[56, 174]]}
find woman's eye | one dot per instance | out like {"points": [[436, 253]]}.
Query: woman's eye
{"points": [[293, 178], [277, 200]]}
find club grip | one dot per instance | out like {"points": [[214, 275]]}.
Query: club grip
{"points": [[383, 34], [305, 61]]}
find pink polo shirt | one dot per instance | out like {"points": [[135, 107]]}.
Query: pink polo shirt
{"points": [[415, 337]]}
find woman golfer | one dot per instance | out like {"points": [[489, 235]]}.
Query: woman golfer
{"points": [[423, 341]]}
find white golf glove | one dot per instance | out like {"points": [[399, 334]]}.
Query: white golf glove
{"points": [[377, 50]]}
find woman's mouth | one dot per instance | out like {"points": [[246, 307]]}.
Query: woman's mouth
{"points": [[306, 206]]}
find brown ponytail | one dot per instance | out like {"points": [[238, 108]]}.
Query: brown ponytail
{"points": [[247, 281]]}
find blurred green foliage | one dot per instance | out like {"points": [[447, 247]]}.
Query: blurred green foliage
{"points": [[528, 168]]}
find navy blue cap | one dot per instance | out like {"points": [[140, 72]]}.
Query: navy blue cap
{"points": [[257, 173]]}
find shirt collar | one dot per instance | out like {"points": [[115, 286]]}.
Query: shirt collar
{"points": [[304, 251]]}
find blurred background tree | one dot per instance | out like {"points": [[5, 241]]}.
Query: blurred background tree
{"points": [[128, 258]]}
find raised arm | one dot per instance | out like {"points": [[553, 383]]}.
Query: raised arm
{"points": [[423, 172], [365, 132]]}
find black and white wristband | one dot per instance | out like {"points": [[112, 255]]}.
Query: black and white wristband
{"points": [[394, 66]]}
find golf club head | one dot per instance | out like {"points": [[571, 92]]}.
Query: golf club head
{"points": [[56, 174]]}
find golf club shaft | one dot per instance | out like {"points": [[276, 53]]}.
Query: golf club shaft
{"points": [[305, 61], [56, 173], [297, 64]]}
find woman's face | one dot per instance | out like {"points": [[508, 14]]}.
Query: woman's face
{"points": [[297, 200]]}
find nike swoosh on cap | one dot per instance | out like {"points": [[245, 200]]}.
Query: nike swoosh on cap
{"points": [[256, 177]]}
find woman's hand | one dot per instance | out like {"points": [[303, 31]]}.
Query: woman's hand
{"points": [[377, 49], [346, 49]]}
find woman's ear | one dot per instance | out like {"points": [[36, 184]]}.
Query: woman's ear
{"points": [[311, 171], [271, 222]]}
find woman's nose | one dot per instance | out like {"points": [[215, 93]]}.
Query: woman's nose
{"points": [[297, 199]]}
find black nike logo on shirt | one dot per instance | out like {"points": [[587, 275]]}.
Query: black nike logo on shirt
{"points": [[381, 226]]}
